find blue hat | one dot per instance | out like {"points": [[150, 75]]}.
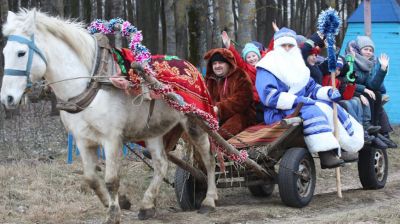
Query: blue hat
{"points": [[250, 47], [284, 36]]}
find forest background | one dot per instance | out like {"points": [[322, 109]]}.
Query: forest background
{"points": [[188, 28]]}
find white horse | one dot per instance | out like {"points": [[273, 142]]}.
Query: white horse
{"points": [[39, 47]]}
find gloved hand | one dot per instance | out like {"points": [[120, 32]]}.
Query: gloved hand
{"points": [[304, 100], [334, 95]]}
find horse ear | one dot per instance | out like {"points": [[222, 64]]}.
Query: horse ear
{"points": [[10, 16]]}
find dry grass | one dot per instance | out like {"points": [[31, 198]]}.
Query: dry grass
{"points": [[36, 192], [53, 192]]}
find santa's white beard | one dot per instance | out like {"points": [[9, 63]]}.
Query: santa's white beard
{"points": [[293, 71]]}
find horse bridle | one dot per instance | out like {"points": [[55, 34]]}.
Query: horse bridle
{"points": [[32, 49]]}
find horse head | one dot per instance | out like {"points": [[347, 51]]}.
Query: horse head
{"points": [[24, 62]]}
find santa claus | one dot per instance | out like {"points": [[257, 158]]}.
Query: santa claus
{"points": [[283, 81]]}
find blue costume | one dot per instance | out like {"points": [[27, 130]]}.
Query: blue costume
{"points": [[283, 81]]}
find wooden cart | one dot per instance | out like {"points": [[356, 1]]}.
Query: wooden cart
{"points": [[284, 160]]}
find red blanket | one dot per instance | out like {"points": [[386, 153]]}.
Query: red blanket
{"points": [[186, 81]]}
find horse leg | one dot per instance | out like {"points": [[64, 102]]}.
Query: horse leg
{"points": [[89, 158], [160, 165], [111, 147], [200, 140]]}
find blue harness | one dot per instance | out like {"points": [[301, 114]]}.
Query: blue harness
{"points": [[32, 48]]}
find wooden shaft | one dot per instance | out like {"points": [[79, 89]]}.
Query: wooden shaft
{"points": [[336, 133], [196, 173], [261, 172]]}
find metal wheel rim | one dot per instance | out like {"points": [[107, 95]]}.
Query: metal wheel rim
{"points": [[304, 180], [379, 165]]}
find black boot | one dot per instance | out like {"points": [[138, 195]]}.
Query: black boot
{"points": [[378, 143], [368, 138], [387, 141], [329, 160], [349, 157], [373, 129]]}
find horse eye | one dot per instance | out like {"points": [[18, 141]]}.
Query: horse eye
{"points": [[21, 53]]}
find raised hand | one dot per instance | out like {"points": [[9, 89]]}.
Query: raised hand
{"points": [[225, 39], [384, 61], [274, 26]]}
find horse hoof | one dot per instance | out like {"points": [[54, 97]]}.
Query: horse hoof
{"points": [[146, 213], [124, 202], [206, 209], [113, 216]]}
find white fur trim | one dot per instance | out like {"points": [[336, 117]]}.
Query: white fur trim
{"points": [[285, 101], [322, 93], [349, 143], [321, 142], [285, 40], [352, 143], [295, 79]]}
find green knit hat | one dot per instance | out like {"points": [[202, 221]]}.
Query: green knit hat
{"points": [[250, 47]]}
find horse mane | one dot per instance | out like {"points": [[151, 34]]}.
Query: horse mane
{"points": [[73, 33]]}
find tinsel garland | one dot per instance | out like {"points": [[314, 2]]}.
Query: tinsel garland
{"points": [[142, 55], [140, 52], [329, 24], [243, 155]]}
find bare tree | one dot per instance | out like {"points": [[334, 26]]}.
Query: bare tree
{"points": [[147, 14], [247, 15], [169, 27], [216, 30], [226, 20], [181, 25]]}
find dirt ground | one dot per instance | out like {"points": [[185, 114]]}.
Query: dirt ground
{"points": [[50, 191]]}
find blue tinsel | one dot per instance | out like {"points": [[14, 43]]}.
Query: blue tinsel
{"points": [[329, 24]]}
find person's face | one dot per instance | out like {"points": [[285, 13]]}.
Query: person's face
{"points": [[337, 72], [367, 52], [311, 59], [287, 47], [252, 58], [220, 68]]}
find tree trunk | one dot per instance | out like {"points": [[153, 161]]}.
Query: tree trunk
{"points": [[130, 8], [99, 4], [261, 15], [117, 11], [170, 39], [148, 22], [247, 15], [216, 30], [226, 20], [181, 25], [313, 17], [285, 21]]}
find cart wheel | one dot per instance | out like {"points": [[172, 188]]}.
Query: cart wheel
{"points": [[262, 191], [296, 177], [373, 167], [188, 191]]}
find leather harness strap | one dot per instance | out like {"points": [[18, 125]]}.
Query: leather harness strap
{"points": [[82, 101]]}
